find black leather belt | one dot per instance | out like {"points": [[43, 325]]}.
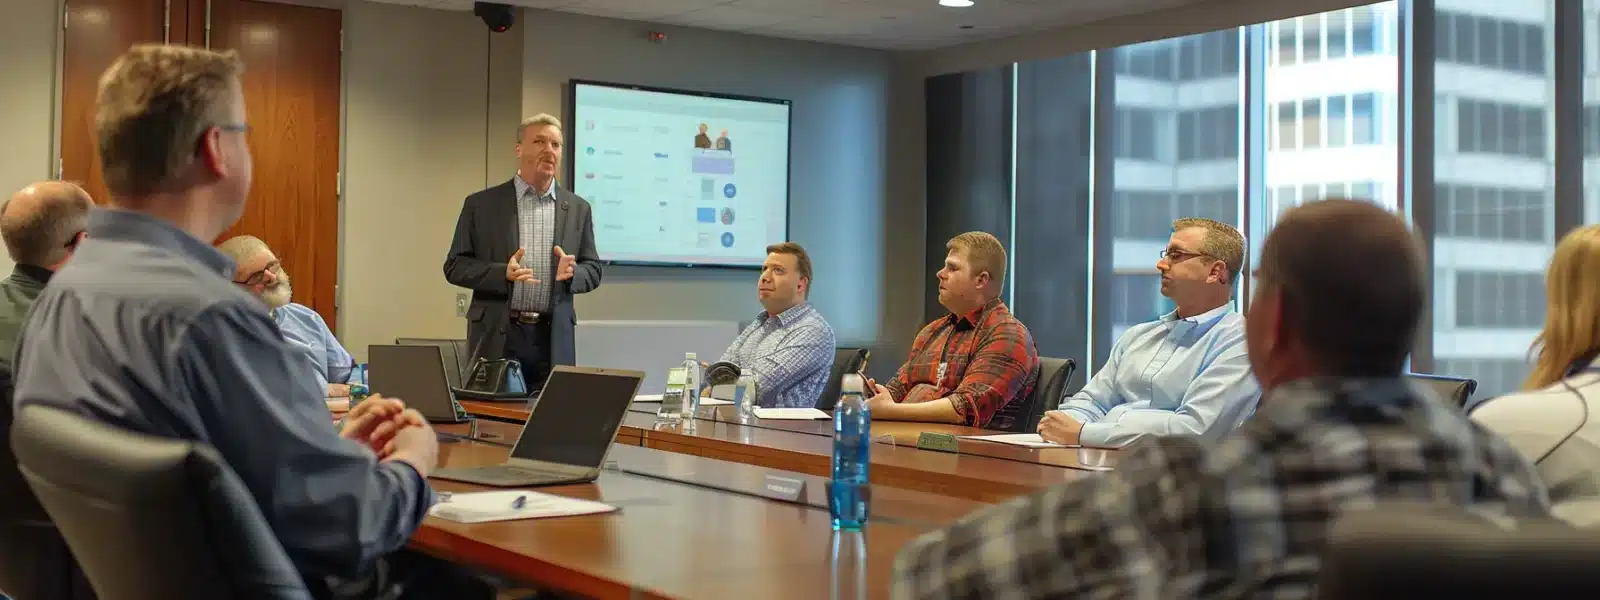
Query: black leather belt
{"points": [[526, 317]]}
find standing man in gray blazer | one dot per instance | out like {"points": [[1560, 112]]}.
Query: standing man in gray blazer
{"points": [[524, 247]]}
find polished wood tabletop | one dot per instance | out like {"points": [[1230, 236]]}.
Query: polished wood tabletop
{"points": [[982, 471], [689, 527]]}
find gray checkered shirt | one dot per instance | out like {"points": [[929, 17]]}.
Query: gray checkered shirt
{"points": [[536, 232], [1246, 517]]}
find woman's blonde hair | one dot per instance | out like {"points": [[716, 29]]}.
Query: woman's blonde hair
{"points": [[1572, 308]]}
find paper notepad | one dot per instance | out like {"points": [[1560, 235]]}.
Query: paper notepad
{"points": [[651, 398], [793, 414], [1026, 440], [484, 507]]}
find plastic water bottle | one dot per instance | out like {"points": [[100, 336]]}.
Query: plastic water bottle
{"points": [[671, 411], [691, 385], [848, 576], [850, 495], [358, 384]]}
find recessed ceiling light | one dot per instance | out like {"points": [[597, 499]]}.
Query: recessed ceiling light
{"points": [[955, 3]]}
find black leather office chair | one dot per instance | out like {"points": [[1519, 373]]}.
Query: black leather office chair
{"points": [[1453, 389], [845, 360], [1054, 373], [1395, 552], [35, 563], [150, 518]]}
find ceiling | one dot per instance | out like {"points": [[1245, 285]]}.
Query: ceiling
{"points": [[882, 24]]}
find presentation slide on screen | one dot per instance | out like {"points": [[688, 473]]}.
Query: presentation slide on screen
{"points": [[680, 179]]}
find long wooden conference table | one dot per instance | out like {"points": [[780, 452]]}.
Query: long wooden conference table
{"points": [[978, 470], [688, 527], [697, 520]]}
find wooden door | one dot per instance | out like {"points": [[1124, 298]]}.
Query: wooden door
{"points": [[97, 32], [291, 90], [291, 87]]}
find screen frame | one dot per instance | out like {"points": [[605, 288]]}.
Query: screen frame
{"points": [[571, 156]]}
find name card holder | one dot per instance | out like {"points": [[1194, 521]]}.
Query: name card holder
{"points": [[942, 442], [784, 487]]}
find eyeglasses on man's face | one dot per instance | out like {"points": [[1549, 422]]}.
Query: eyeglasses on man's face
{"points": [[1175, 256], [259, 277]]}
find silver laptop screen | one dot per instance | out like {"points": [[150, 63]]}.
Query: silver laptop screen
{"points": [[576, 418]]}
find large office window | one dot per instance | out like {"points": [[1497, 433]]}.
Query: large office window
{"points": [[1495, 186], [1242, 124], [1332, 130], [1054, 144], [1177, 155]]}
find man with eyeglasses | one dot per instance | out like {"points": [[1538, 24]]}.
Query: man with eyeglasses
{"points": [[1185, 373], [258, 270], [145, 331]]}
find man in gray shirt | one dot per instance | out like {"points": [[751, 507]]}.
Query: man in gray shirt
{"points": [[145, 330]]}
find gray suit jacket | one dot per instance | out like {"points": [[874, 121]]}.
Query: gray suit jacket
{"points": [[486, 237]]}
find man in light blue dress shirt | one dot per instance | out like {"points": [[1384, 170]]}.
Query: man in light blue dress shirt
{"points": [[1186, 373], [258, 270], [789, 347]]}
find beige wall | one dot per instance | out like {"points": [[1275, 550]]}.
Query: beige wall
{"points": [[424, 127], [867, 263], [27, 96]]}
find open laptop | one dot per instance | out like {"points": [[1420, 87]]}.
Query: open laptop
{"points": [[568, 433], [448, 351], [416, 375]]}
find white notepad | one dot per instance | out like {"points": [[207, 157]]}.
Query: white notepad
{"points": [[792, 414], [647, 398], [1026, 440], [484, 507]]}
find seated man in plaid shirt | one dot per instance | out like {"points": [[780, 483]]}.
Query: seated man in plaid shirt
{"points": [[1339, 296], [973, 366]]}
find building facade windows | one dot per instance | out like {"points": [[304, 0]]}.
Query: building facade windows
{"points": [[1499, 300]]}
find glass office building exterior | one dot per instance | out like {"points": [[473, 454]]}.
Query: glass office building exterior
{"points": [[1476, 120], [1317, 103]]}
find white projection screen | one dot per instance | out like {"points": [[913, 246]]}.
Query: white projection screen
{"points": [[680, 178]]}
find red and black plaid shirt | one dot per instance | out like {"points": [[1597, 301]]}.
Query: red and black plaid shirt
{"points": [[989, 364]]}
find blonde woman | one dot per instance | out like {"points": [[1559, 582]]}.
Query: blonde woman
{"points": [[1555, 420]]}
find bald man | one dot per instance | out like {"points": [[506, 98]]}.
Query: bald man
{"points": [[42, 225]]}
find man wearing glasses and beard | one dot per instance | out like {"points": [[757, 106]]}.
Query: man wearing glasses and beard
{"points": [[258, 270]]}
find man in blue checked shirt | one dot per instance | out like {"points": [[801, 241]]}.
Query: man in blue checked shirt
{"points": [[1186, 373], [789, 347]]}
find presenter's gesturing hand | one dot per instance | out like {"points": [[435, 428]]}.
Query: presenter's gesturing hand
{"points": [[566, 264], [516, 272]]}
